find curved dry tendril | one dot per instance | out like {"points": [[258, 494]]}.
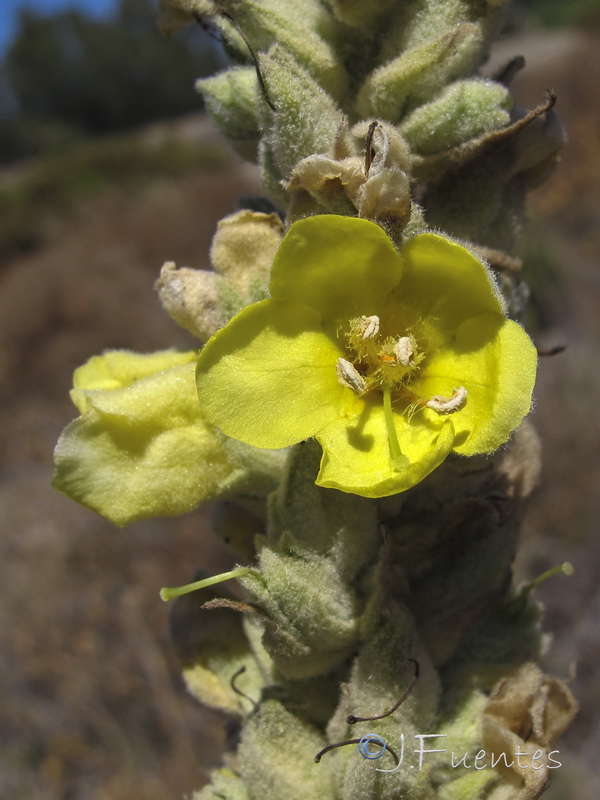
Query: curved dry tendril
{"points": [[551, 351], [253, 56], [237, 690], [329, 747], [352, 719], [207, 28], [369, 149]]}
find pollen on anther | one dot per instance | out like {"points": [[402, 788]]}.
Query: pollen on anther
{"points": [[349, 376], [370, 326], [404, 350], [448, 405]]}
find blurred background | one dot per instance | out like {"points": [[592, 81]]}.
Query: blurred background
{"points": [[108, 168]]}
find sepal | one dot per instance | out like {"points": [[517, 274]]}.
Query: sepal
{"points": [[231, 100], [306, 119]]}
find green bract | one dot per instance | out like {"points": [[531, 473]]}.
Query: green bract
{"points": [[390, 360]]}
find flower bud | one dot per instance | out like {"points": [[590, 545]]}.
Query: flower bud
{"points": [[231, 100], [193, 298], [359, 14], [304, 30], [277, 756], [464, 110], [306, 120], [174, 14], [311, 622], [243, 248], [419, 73]]}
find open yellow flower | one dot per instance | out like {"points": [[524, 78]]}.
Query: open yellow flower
{"points": [[390, 360]]}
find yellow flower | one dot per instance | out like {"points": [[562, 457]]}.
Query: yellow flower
{"points": [[390, 360], [141, 447]]}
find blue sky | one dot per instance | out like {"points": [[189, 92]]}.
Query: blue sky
{"points": [[9, 12]]}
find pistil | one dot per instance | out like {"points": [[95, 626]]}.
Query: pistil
{"points": [[400, 461]]}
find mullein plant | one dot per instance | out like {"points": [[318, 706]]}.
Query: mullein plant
{"points": [[355, 409]]}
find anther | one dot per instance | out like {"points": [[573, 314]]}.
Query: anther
{"points": [[404, 350], [448, 405], [349, 376], [370, 326]]}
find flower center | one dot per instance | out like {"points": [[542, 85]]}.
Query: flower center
{"points": [[377, 360], [388, 363]]}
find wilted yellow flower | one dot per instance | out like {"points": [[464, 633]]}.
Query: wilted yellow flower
{"points": [[141, 447], [390, 360]]}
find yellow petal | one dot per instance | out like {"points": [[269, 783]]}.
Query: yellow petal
{"points": [[143, 451], [268, 378], [446, 284], [117, 369], [495, 360], [356, 452], [340, 266], [126, 478]]}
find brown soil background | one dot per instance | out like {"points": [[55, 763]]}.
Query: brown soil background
{"points": [[92, 706]]}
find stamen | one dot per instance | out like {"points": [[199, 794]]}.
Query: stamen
{"points": [[371, 326], [404, 350], [448, 405], [349, 376]]}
